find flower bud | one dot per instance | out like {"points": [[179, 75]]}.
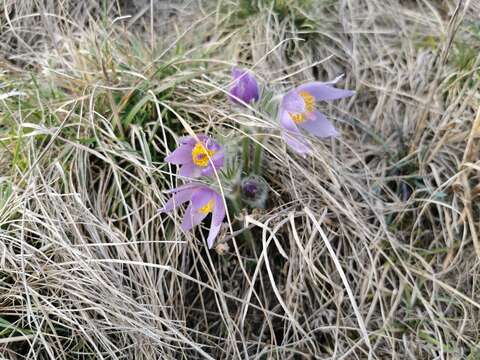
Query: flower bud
{"points": [[244, 88], [254, 191]]}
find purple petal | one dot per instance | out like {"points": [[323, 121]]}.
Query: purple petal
{"points": [[293, 102], [212, 145], [252, 89], [189, 170], [218, 159], [181, 155], [218, 156], [203, 138], [217, 219], [216, 162], [201, 197], [320, 126], [212, 234], [245, 87], [177, 199], [297, 143], [191, 218], [192, 140], [292, 135], [219, 210], [208, 171], [287, 123], [322, 91], [237, 72], [187, 140]]}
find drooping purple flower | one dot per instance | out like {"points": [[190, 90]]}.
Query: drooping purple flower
{"points": [[203, 201], [244, 88], [298, 113], [198, 156]]}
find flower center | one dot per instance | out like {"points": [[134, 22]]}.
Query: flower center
{"points": [[200, 155], [309, 101], [207, 208], [297, 118]]}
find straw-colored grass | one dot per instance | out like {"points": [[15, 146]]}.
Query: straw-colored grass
{"points": [[369, 249]]}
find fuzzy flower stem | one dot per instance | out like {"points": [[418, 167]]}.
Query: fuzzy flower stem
{"points": [[257, 157], [246, 155], [236, 206]]}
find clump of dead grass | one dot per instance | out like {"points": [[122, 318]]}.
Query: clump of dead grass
{"points": [[368, 249]]}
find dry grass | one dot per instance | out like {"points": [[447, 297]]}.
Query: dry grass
{"points": [[367, 250]]}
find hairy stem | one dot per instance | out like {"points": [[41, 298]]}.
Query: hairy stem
{"points": [[246, 154], [257, 156], [236, 207]]}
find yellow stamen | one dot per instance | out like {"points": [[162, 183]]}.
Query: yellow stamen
{"points": [[207, 208], [309, 101], [200, 155], [297, 118]]}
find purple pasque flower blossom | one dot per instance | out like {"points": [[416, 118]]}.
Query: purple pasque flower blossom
{"points": [[198, 155], [298, 113], [203, 201], [244, 88]]}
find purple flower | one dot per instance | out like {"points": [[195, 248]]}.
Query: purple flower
{"points": [[244, 88], [298, 113], [198, 156], [203, 201]]}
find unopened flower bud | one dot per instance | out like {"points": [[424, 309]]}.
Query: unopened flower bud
{"points": [[254, 191]]}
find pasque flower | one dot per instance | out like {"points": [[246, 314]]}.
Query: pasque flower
{"points": [[244, 88], [298, 113], [203, 201], [254, 191], [198, 156]]}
